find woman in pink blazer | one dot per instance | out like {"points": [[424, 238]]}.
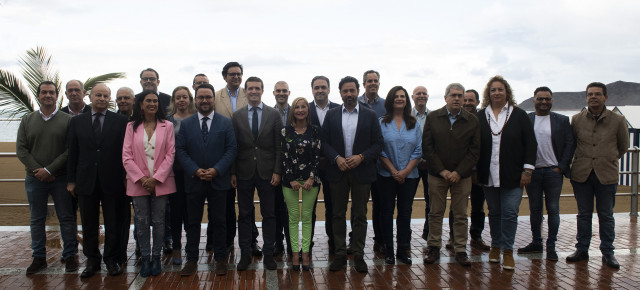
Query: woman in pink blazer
{"points": [[147, 155]]}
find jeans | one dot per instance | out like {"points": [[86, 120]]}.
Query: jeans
{"points": [[38, 194], [549, 182], [309, 198], [390, 191], [605, 195], [150, 211], [503, 204]]}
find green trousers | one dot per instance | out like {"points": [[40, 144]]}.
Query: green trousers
{"points": [[291, 197]]}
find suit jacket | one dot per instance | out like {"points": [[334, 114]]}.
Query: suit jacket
{"points": [[218, 152], [163, 98], [368, 142], [134, 159], [314, 114], [222, 103], [89, 161], [262, 153], [87, 108], [561, 139]]}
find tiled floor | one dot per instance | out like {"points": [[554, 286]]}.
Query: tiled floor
{"points": [[532, 271]]}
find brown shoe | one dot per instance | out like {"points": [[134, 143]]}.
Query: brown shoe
{"points": [[71, 264], [37, 265], [507, 260], [432, 256], [494, 255], [449, 244], [190, 268], [221, 268], [479, 244], [462, 259]]}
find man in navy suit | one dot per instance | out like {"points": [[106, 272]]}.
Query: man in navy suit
{"points": [[96, 176], [351, 143], [206, 148], [318, 109], [555, 150]]}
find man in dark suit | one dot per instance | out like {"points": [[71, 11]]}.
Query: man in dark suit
{"points": [[318, 109], [555, 150], [75, 93], [206, 148], [351, 143], [96, 176], [149, 80], [258, 166]]}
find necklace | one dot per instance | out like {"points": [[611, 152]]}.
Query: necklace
{"points": [[503, 124]]}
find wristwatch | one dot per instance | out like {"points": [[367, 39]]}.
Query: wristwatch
{"points": [[527, 173]]}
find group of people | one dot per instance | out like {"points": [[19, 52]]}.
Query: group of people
{"points": [[167, 154]]}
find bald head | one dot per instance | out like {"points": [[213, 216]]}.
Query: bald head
{"points": [[420, 98]]}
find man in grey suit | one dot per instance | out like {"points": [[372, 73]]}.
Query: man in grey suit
{"points": [[258, 166]]}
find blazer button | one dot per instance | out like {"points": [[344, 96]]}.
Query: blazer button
{"points": [[96, 164], [254, 158], [256, 147], [98, 150], [151, 158]]}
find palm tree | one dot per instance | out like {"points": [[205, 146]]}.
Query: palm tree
{"points": [[36, 66]]}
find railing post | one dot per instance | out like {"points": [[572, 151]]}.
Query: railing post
{"points": [[634, 182]]}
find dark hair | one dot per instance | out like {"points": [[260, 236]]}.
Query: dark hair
{"points": [[199, 75], [206, 86], [598, 85], [138, 117], [150, 69], [475, 93], [406, 113], [320, 78], [229, 65], [46, 83], [486, 99], [254, 79], [348, 79], [542, 89], [364, 76]]}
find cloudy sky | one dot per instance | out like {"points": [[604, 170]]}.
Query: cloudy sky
{"points": [[560, 44]]}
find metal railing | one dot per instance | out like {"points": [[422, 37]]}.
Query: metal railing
{"points": [[634, 172]]}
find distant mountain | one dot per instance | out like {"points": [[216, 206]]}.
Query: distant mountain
{"points": [[620, 94]]}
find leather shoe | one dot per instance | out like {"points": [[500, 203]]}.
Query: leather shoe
{"points": [[168, 247], [37, 265], [113, 269], [462, 259], [338, 263], [432, 256], [71, 264], [245, 261], [449, 244], [256, 251], [269, 262], [479, 244], [360, 264], [156, 266], [221, 268], [379, 247], [610, 260], [190, 268], [145, 267], [349, 249], [89, 271], [278, 250], [404, 258], [551, 254], [531, 248], [390, 259], [578, 256]]}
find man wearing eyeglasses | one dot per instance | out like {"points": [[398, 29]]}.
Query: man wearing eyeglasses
{"points": [[198, 80], [149, 80], [75, 94]]}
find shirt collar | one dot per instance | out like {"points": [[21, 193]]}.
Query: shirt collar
{"points": [[355, 110], [200, 116], [451, 115], [50, 116], [93, 112], [250, 107], [364, 99], [417, 113]]}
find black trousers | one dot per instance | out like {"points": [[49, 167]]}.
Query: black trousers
{"points": [[217, 211], [246, 215], [178, 203], [232, 219], [282, 218]]}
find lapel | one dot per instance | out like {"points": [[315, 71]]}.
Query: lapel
{"points": [[359, 126], [161, 128], [226, 100], [265, 115], [245, 128], [314, 115]]}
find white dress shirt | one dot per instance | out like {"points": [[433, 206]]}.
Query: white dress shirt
{"points": [[200, 116], [322, 112], [349, 126]]}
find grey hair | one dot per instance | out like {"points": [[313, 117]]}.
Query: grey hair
{"points": [[453, 86]]}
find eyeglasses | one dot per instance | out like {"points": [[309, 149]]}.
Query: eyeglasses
{"points": [[204, 97], [200, 83], [234, 74], [151, 79]]}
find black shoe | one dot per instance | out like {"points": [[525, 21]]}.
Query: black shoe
{"points": [[278, 250], [551, 254], [168, 247], [349, 249], [295, 267], [37, 265], [610, 260], [379, 247], [269, 262], [245, 261], [462, 259], [531, 248], [209, 247], [404, 258], [390, 259], [360, 264], [71, 264], [256, 251], [578, 256], [90, 270], [221, 267], [449, 244], [156, 266], [190, 268], [338, 263], [432, 256], [145, 267], [113, 269]]}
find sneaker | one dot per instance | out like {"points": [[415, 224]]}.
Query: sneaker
{"points": [[494, 255], [507, 260], [37, 265], [531, 248]]}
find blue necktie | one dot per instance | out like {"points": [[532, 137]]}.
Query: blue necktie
{"points": [[254, 123], [205, 129]]}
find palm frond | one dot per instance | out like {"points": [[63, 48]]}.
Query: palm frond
{"points": [[14, 97], [105, 78], [37, 66]]}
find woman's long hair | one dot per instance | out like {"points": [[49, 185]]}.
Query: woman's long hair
{"points": [[138, 117], [191, 108], [409, 120]]}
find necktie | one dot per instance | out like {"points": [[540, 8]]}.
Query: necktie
{"points": [[205, 129], [97, 129], [254, 123]]}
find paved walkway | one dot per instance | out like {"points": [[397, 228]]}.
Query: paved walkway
{"points": [[532, 271]]}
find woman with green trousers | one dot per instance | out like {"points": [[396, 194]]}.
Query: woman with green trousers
{"points": [[300, 158]]}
